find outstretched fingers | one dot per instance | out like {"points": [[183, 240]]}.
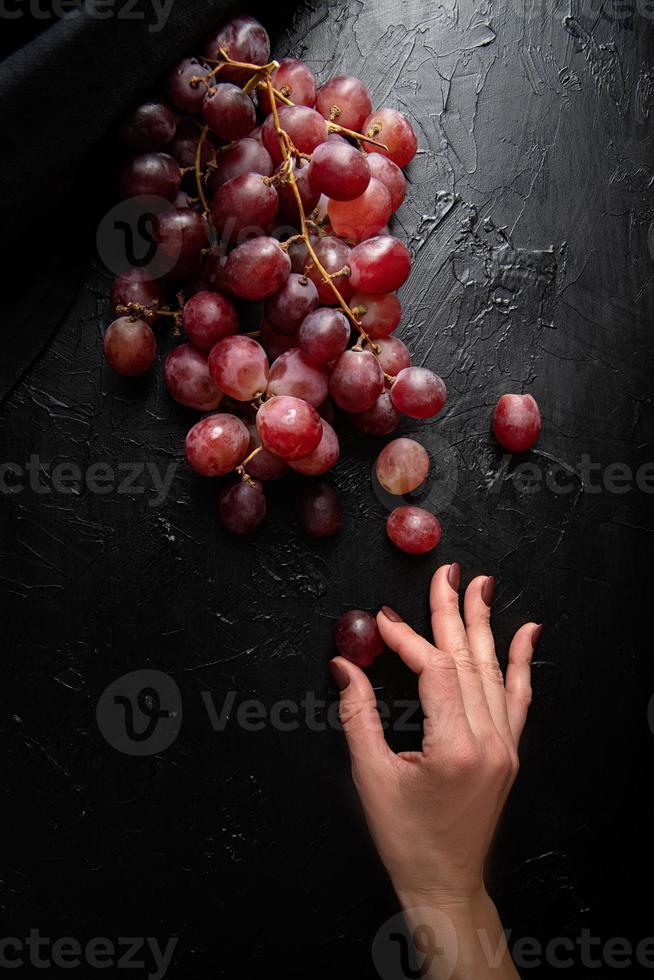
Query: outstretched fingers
{"points": [[359, 715], [518, 677]]}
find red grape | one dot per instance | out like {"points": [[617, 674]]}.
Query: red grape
{"points": [[216, 444], [184, 146], [181, 235], [185, 96], [333, 254], [214, 270], [244, 39], [418, 392], [393, 356], [413, 529], [147, 126], [135, 286], [289, 427], [390, 175], [288, 209], [402, 465], [339, 171], [275, 343], [187, 377], [324, 335], [382, 314], [516, 422], [364, 216], [265, 465], [305, 127], [243, 204], [323, 457], [157, 174], [239, 367], [294, 374], [357, 637], [392, 128], [295, 80], [356, 381], [379, 265], [246, 156], [129, 346], [207, 318], [379, 420], [286, 309], [319, 509], [258, 268], [344, 100], [228, 112], [242, 506]]}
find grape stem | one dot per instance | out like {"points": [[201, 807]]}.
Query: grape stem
{"points": [[241, 468], [198, 169]]}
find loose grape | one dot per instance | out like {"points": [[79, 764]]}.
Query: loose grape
{"points": [[216, 444], [418, 392], [390, 175], [239, 367], [187, 377], [136, 286], [148, 126], [244, 39], [182, 92], [242, 506], [246, 156], [516, 422], [334, 255], [295, 80], [319, 509], [286, 309], [379, 420], [228, 112], [413, 529], [379, 265], [207, 318], [243, 204], [265, 465], [393, 355], [289, 427], [258, 268], [305, 127], [181, 234], [382, 312], [323, 457], [392, 128], [129, 346], [294, 374], [344, 100], [155, 174], [339, 171], [357, 637], [324, 335], [356, 381], [402, 465]]}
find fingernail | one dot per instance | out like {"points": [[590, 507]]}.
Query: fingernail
{"points": [[487, 590], [454, 575], [391, 614], [340, 675], [536, 634]]}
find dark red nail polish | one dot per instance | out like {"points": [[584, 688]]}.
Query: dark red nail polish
{"points": [[340, 675], [536, 634], [487, 590], [454, 575], [391, 614]]}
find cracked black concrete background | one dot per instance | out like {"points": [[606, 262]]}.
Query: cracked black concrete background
{"points": [[528, 213]]}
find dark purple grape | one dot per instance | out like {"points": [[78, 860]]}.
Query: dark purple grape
{"points": [[288, 209], [157, 174], [258, 268], [136, 286], [185, 96], [324, 335], [207, 318], [181, 234], [244, 39], [228, 112], [184, 147], [242, 506], [148, 126], [339, 171], [246, 156], [357, 637], [379, 420], [319, 509], [286, 309], [243, 204]]}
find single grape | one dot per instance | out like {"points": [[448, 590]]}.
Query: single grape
{"points": [[356, 381], [181, 234], [242, 506], [216, 444], [413, 529], [207, 318], [418, 392], [129, 346], [295, 80], [393, 355], [286, 309], [239, 367], [243, 204], [244, 39], [228, 112], [516, 422], [379, 265], [147, 126], [155, 174], [319, 509], [294, 374], [364, 216], [339, 171], [357, 637], [289, 427], [136, 286], [382, 312], [265, 465], [305, 127], [187, 377], [390, 175], [344, 100], [185, 95], [275, 343], [323, 457], [379, 420], [402, 465], [392, 128], [334, 255], [288, 209], [324, 335], [258, 268], [246, 156]]}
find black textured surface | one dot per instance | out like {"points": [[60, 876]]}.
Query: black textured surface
{"points": [[537, 278]]}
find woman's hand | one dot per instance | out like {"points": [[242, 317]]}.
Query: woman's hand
{"points": [[433, 813]]}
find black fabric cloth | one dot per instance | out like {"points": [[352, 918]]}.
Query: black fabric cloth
{"points": [[60, 94]]}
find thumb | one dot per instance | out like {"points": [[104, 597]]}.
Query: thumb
{"points": [[358, 713]]}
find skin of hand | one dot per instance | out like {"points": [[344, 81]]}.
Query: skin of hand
{"points": [[433, 813]]}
